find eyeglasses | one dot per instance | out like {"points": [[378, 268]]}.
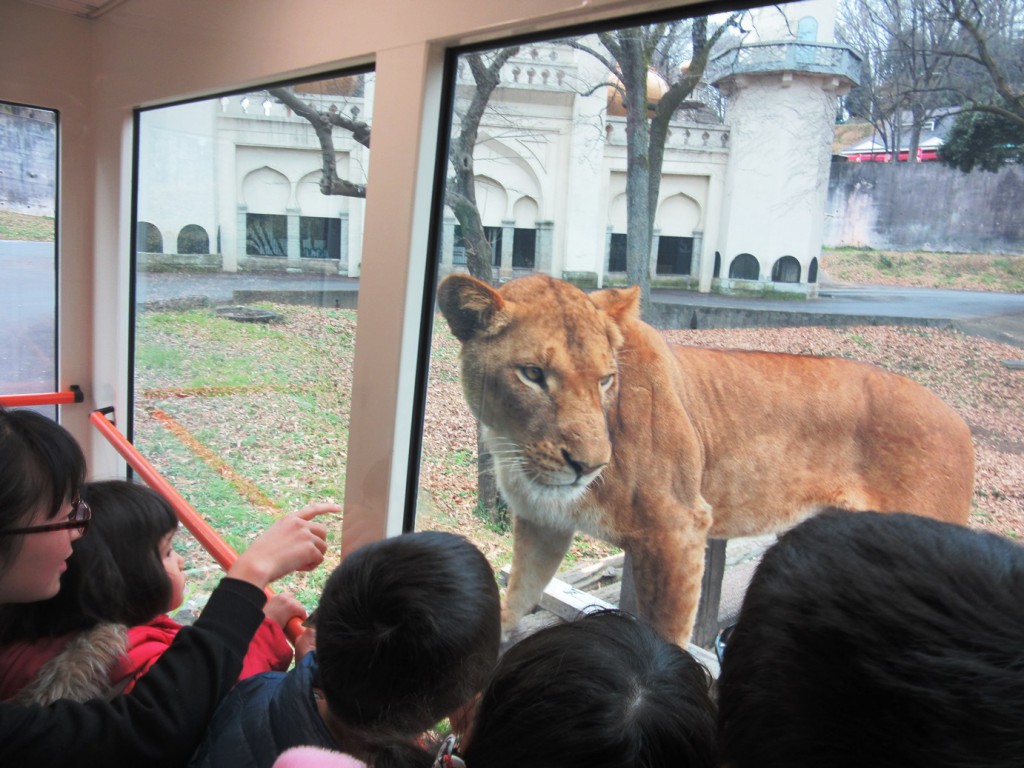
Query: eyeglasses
{"points": [[78, 517]]}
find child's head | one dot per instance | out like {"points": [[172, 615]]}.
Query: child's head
{"points": [[408, 630], [124, 571], [871, 639], [42, 468], [132, 572], [603, 690]]}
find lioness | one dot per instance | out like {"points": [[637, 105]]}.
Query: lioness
{"points": [[597, 425]]}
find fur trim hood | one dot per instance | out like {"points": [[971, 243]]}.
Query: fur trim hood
{"points": [[82, 670]]}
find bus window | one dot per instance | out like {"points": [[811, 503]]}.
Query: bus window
{"points": [[248, 247], [28, 257], [705, 163]]}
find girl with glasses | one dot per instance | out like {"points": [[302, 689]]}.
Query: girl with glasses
{"points": [[42, 470], [108, 625]]}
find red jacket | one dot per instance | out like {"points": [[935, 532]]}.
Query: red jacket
{"points": [[269, 650], [89, 664]]}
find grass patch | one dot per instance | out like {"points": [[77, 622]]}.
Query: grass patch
{"points": [[762, 292], [20, 226], [924, 269]]}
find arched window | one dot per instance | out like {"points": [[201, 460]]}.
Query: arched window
{"points": [[718, 265], [812, 271], [193, 239], [786, 270], [148, 238], [524, 236], [807, 30], [744, 267]]}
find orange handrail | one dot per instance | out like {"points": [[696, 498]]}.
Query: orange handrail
{"points": [[210, 540], [74, 395]]}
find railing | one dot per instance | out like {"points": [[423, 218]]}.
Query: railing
{"points": [[73, 395], [693, 137], [785, 56], [204, 533], [210, 540]]}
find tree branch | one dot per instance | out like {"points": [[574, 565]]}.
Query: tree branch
{"points": [[323, 125]]}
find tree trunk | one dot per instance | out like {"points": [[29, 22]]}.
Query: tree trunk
{"points": [[639, 217], [461, 198]]}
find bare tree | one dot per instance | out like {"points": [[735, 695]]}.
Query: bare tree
{"points": [[904, 44], [993, 36], [460, 193], [324, 121], [460, 196], [630, 54], [925, 54]]}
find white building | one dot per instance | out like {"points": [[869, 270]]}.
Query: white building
{"points": [[550, 168]]}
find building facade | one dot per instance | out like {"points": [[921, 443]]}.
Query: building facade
{"points": [[741, 202]]}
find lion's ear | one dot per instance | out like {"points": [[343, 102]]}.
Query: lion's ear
{"points": [[619, 303], [471, 307]]}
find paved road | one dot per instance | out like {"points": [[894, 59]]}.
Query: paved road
{"points": [[997, 315], [27, 300], [219, 287], [27, 293], [850, 299]]}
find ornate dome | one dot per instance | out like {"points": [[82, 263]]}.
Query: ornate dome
{"points": [[657, 86]]}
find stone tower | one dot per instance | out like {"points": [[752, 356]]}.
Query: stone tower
{"points": [[781, 87]]}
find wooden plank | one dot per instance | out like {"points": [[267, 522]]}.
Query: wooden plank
{"points": [[706, 626], [564, 600], [627, 595], [567, 603], [606, 569]]}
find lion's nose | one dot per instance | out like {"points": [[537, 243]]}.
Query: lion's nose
{"points": [[581, 467]]}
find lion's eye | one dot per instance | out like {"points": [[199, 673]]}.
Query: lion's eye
{"points": [[532, 373], [607, 382]]}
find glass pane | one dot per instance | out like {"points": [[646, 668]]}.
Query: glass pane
{"points": [[28, 291], [247, 262], [728, 182]]}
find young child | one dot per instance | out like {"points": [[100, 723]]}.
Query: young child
{"points": [[604, 690], [407, 632], [108, 625], [870, 639]]}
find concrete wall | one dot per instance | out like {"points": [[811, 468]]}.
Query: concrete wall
{"points": [[925, 206], [668, 316], [28, 160]]}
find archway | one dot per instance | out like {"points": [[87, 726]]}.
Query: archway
{"points": [[786, 270], [148, 238], [744, 267], [193, 239]]}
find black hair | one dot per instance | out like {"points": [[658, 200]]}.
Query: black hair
{"points": [[604, 690], [115, 574], [882, 640], [40, 463], [408, 630]]}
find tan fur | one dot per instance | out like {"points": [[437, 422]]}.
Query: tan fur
{"points": [[81, 671], [597, 425]]}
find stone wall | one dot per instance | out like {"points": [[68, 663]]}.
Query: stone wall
{"points": [[925, 206], [28, 160]]}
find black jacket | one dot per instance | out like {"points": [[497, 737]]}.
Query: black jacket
{"points": [[263, 716], [162, 720]]}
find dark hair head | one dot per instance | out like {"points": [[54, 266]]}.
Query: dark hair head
{"points": [[40, 463], [407, 630], [605, 690], [870, 639], [115, 574]]}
